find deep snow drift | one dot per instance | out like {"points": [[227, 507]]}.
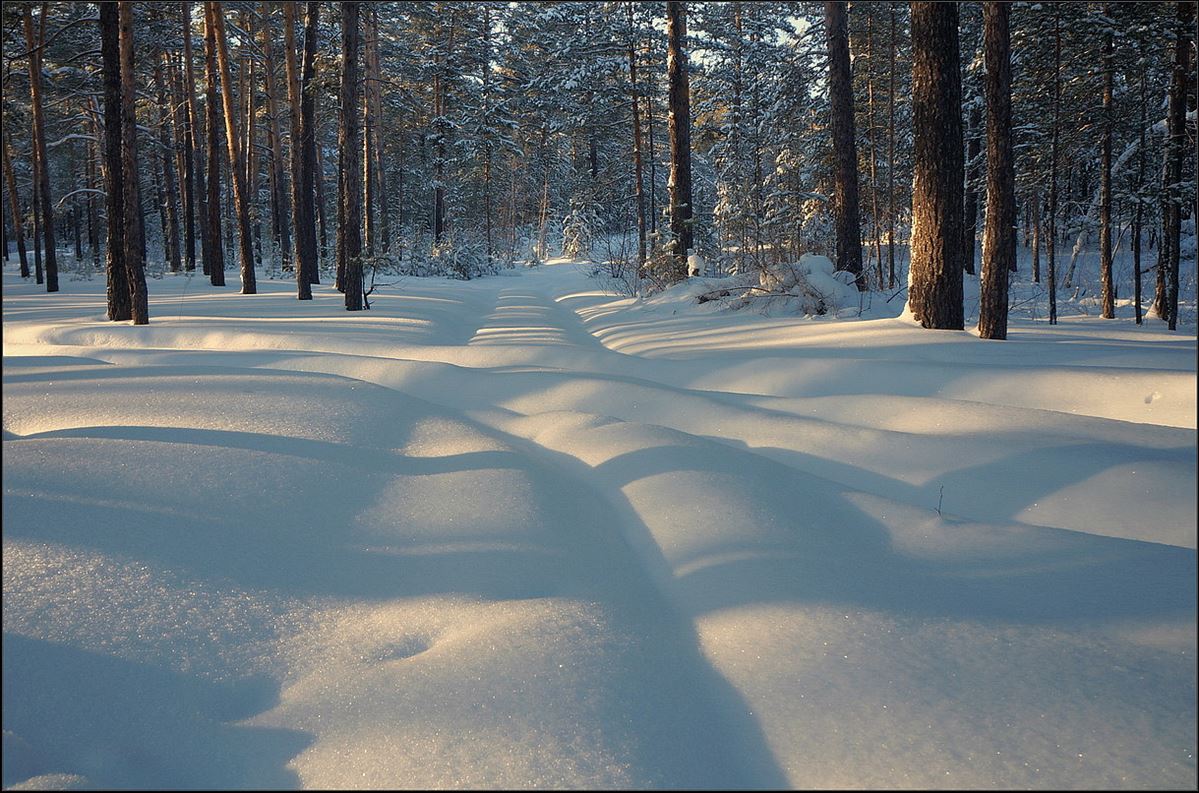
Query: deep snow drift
{"points": [[517, 532]]}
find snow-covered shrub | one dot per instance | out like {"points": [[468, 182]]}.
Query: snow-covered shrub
{"points": [[813, 280]]}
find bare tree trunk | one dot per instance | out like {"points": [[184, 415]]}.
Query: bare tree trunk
{"points": [[135, 250], [635, 100], [1107, 295], [999, 232], [874, 224], [279, 213], [196, 133], [35, 209], [237, 175], [935, 274], [845, 152], [1035, 209], [891, 154], [41, 166], [1176, 127], [680, 137], [1138, 217], [368, 141], [970, 204], [14, 203], [310, 170], [1057, 118], [299, 206], [168, 173], [349, 240], [216, 250], [117, 289]]}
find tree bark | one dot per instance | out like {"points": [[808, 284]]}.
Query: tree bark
{"points": [[935, 275], [299, 207], [241, 198], [215, 256], [970, 204], [349, 231], [117, 286], [14, 203], [135, 248], [999, 231], [680, 137], [845, 173], [310, 171], [637, 166], [891, 154], [279, 213], [1138, 216], [875, 226], [1107, 296], [171, 202], [41, 166], [197, 132], [1176, 128], [1057, 116]]}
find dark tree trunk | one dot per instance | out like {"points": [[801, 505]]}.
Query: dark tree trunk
{"points": [[970, 204], [891, 155], [117, 288], [301, 221], [1051, 276], [1107, 296], [999, 232], [237, 175], [196, 132], [680, 137], [279, 213], [1176, 127], [845, 152], [216, 251], [637, 166], [168, 173], [349, 231], [41, 165], [14, 204], [935, 279], [310, 164], [135, 248], [1138, 216]]}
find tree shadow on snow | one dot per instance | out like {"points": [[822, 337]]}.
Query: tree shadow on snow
{"points": [[123, 724]]}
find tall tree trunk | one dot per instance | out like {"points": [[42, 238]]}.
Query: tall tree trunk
{"points": [[349, 240], [375, 97], [184, 164], [1138, 216], [1057, 121], [973, 169], [135, 247], [241, 198], [845, 173], [216, 251], [310, 170], [637, 167], [14, 204], [874, 217], [196, 134], [1176, 128], [368, 141], [891, 153], [1035, 209], [680, 137], [42, 166], [1107, 295], [35, 207], [117, 289], [168, 173], [305, 256], [999, 232], [653, 152], [279, 213], [935, 274]]}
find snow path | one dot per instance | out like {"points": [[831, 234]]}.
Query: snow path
{"points": [[516, 532]]}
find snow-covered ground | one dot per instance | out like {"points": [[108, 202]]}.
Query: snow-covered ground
{"points": [[517, 532]]}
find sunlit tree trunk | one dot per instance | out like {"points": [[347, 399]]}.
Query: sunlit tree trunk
{"points": [[845, 153], [680, 137], [999, 232], [300, 208], [1107, 294], [233, 144], [41, 166], [349, 231], [135, 247]]}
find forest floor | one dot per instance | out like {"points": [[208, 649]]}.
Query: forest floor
{"points": [[519, 532]]}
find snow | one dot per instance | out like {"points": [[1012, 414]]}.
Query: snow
{"points": [[520, 532]]}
